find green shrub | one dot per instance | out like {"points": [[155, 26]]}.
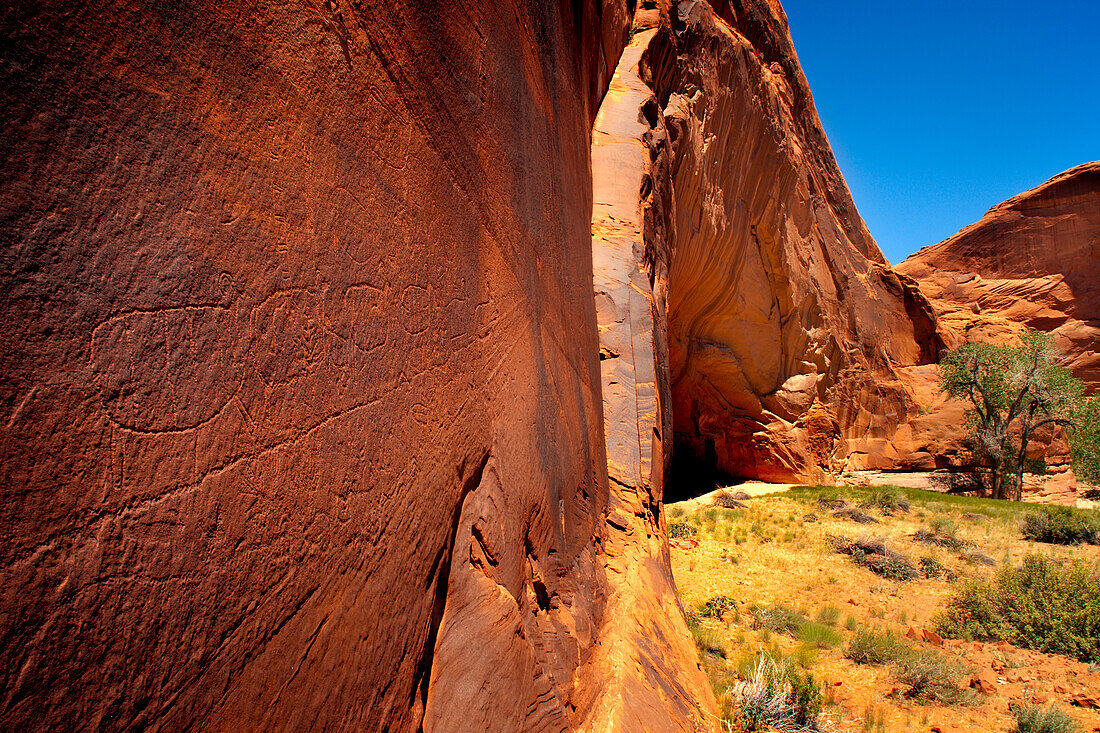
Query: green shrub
{"points": [[1062, 525], [1085, 443], [1033, 719], [682, 529], [1041, 604], [806, 698], [875, 647], [930, 677], [716, 606]]}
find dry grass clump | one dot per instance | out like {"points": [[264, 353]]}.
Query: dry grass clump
{"points": [[730, 500], [929, 676], [777, 618], [942, 532], [775, 697], [872, 553], [875, 647]]}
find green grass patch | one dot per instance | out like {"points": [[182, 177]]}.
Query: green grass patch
{"points": [[928, 676], [828, 615], [709, 641], [818, 635], [887, 499], [919, 499]]}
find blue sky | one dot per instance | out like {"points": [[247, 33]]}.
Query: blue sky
{"points": [[939, 110]]}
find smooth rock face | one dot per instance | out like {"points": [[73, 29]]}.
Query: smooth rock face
{"points": [[1030, 262], [785, 324], [300, 377]]}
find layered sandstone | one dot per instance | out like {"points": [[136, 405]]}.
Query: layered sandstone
{"points": [[1032, 261], [300, 372], [644, 628], [785, 323]]}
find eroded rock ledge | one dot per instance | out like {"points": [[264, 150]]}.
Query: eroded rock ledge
{"points": [[1032, 261]]}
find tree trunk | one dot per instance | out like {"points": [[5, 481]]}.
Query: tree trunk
{"points": [[998, 480], [1025, 438]]}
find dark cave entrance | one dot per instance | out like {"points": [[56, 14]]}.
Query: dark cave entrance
{"points": [[691, 474]]}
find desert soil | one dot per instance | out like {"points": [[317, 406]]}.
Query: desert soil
{"points": [[775, 550]]}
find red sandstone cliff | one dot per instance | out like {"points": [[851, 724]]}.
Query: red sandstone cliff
{"points": [[305, 405], [644, 621], [1032, 261], [302, 417]]}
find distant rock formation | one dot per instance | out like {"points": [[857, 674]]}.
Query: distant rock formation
{"points": [[1031, 262]]}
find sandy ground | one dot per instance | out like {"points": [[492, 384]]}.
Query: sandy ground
{"points": [[752, 488], [773, 552]]}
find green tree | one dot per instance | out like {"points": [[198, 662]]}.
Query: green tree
{"points": [[1086, 440], [1014, 391]]}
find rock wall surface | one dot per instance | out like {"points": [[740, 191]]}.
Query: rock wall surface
{"points": [[785, 323], [644, 628], [301, 397], [1030, 262]]}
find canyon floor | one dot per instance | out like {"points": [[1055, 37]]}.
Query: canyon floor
{"points": [[778, 550]]}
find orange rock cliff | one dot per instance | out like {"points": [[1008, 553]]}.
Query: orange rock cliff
{"points": [[1031, 262], [350, 349], [785, 325]]}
